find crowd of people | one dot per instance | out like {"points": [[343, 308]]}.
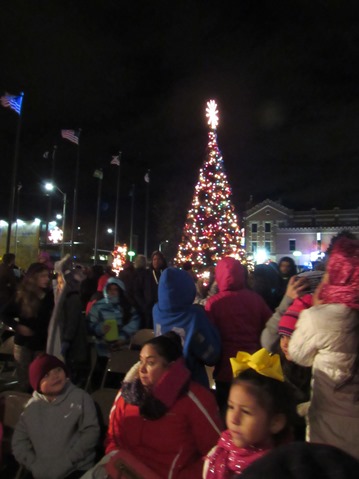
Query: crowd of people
{"points": [[283, 349]]}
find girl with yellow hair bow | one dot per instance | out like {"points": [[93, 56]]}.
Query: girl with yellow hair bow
{"points": [[260, 414]]}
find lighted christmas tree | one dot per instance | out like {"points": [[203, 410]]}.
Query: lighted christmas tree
{"points": [[211, 230]]}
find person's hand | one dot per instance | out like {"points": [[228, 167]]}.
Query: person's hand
{"points": [[316, 294], [296, 287], [106, 328], [24, 330]]}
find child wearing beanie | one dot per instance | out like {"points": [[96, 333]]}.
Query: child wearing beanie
{"points": [[58, 431], [326, 337], [298, 377]]}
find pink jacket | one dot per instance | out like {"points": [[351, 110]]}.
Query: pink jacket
{"points": [[238, 313]]}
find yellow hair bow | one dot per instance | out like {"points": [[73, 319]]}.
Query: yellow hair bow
{"points": [[261, 361]]}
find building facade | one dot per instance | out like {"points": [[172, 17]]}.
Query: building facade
{"points": [[273, 231]]}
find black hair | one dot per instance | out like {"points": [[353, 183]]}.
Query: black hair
{"points": [[8, 258], [293, 266], [274, 396], [168, 346]]}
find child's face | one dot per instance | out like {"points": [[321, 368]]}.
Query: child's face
{"points": [[53, 382], [247, 421], [284, 343]]}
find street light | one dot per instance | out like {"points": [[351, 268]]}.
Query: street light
{"points": [[50, 187]]}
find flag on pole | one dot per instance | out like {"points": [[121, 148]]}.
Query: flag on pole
{"points": [[98, 174], [13, 102], [46, 155], [71, 135], [115, 160], [147, 177]]}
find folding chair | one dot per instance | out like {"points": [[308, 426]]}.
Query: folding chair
{"points": [[140, 337], [8, 379], [12, 404], [6, 353], [120, 362]]}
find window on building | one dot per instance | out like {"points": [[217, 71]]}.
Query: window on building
{"points": [[292, 245], [267, 227], [254, 228], [254, 246], [268, 246]]}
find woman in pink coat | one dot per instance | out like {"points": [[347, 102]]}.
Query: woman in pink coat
{"points": [[239, 315]]}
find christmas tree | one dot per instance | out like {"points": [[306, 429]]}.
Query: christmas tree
{"points": [[211, 230]]}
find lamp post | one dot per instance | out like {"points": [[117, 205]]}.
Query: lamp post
{"points": [[50, 187], [99, 175]]}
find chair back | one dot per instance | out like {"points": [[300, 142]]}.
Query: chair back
{"points": [[120, 362], [104, 399], [12, 404], [140, 337]]}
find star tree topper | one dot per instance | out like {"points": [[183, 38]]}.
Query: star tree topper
{"points": [[212, 114]]}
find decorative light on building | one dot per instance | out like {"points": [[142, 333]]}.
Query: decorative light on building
{"points": [[55, 235]]}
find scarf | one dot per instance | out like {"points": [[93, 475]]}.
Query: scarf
{"points": [[154, 404], [228, 458]]}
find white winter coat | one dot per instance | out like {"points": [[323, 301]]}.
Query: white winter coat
{"points": [[325, 339]]}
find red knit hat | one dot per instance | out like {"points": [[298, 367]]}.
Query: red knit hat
{"points": [[287, 322], [343, 274], [41, 366], [102, 282]]}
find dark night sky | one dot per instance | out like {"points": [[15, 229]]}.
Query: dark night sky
{"points": [[135, 76]]}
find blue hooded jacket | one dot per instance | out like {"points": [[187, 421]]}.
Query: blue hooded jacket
{"points": [[106, 309], [175, 311]]}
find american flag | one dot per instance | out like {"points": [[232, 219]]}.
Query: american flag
{"points": [[71, 135], [12, 101], [115, 160]]}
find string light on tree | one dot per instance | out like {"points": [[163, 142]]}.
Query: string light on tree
{"points": [[211, 230]]}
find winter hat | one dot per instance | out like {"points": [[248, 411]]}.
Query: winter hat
{"points": [[287, 322], [41, 366], [343, 274], [102, 282]]}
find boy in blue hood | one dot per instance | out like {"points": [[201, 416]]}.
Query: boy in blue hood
{"points": [[175, 311], [114, 308]]}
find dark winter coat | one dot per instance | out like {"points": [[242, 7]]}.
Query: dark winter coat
{"points": [[11, 316]]}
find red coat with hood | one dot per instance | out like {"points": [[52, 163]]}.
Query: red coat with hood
{"points": [[238, 313]]}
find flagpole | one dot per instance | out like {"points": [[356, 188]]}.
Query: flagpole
{"points": [[132, 209], [147, 210], [74, 210], [99, 175], [50, 197], [13, 179], [117, 200]]}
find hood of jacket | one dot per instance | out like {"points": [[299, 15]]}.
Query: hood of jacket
{"points": [[69, 386], [230, 274], [176, 290], [116, 281]]}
